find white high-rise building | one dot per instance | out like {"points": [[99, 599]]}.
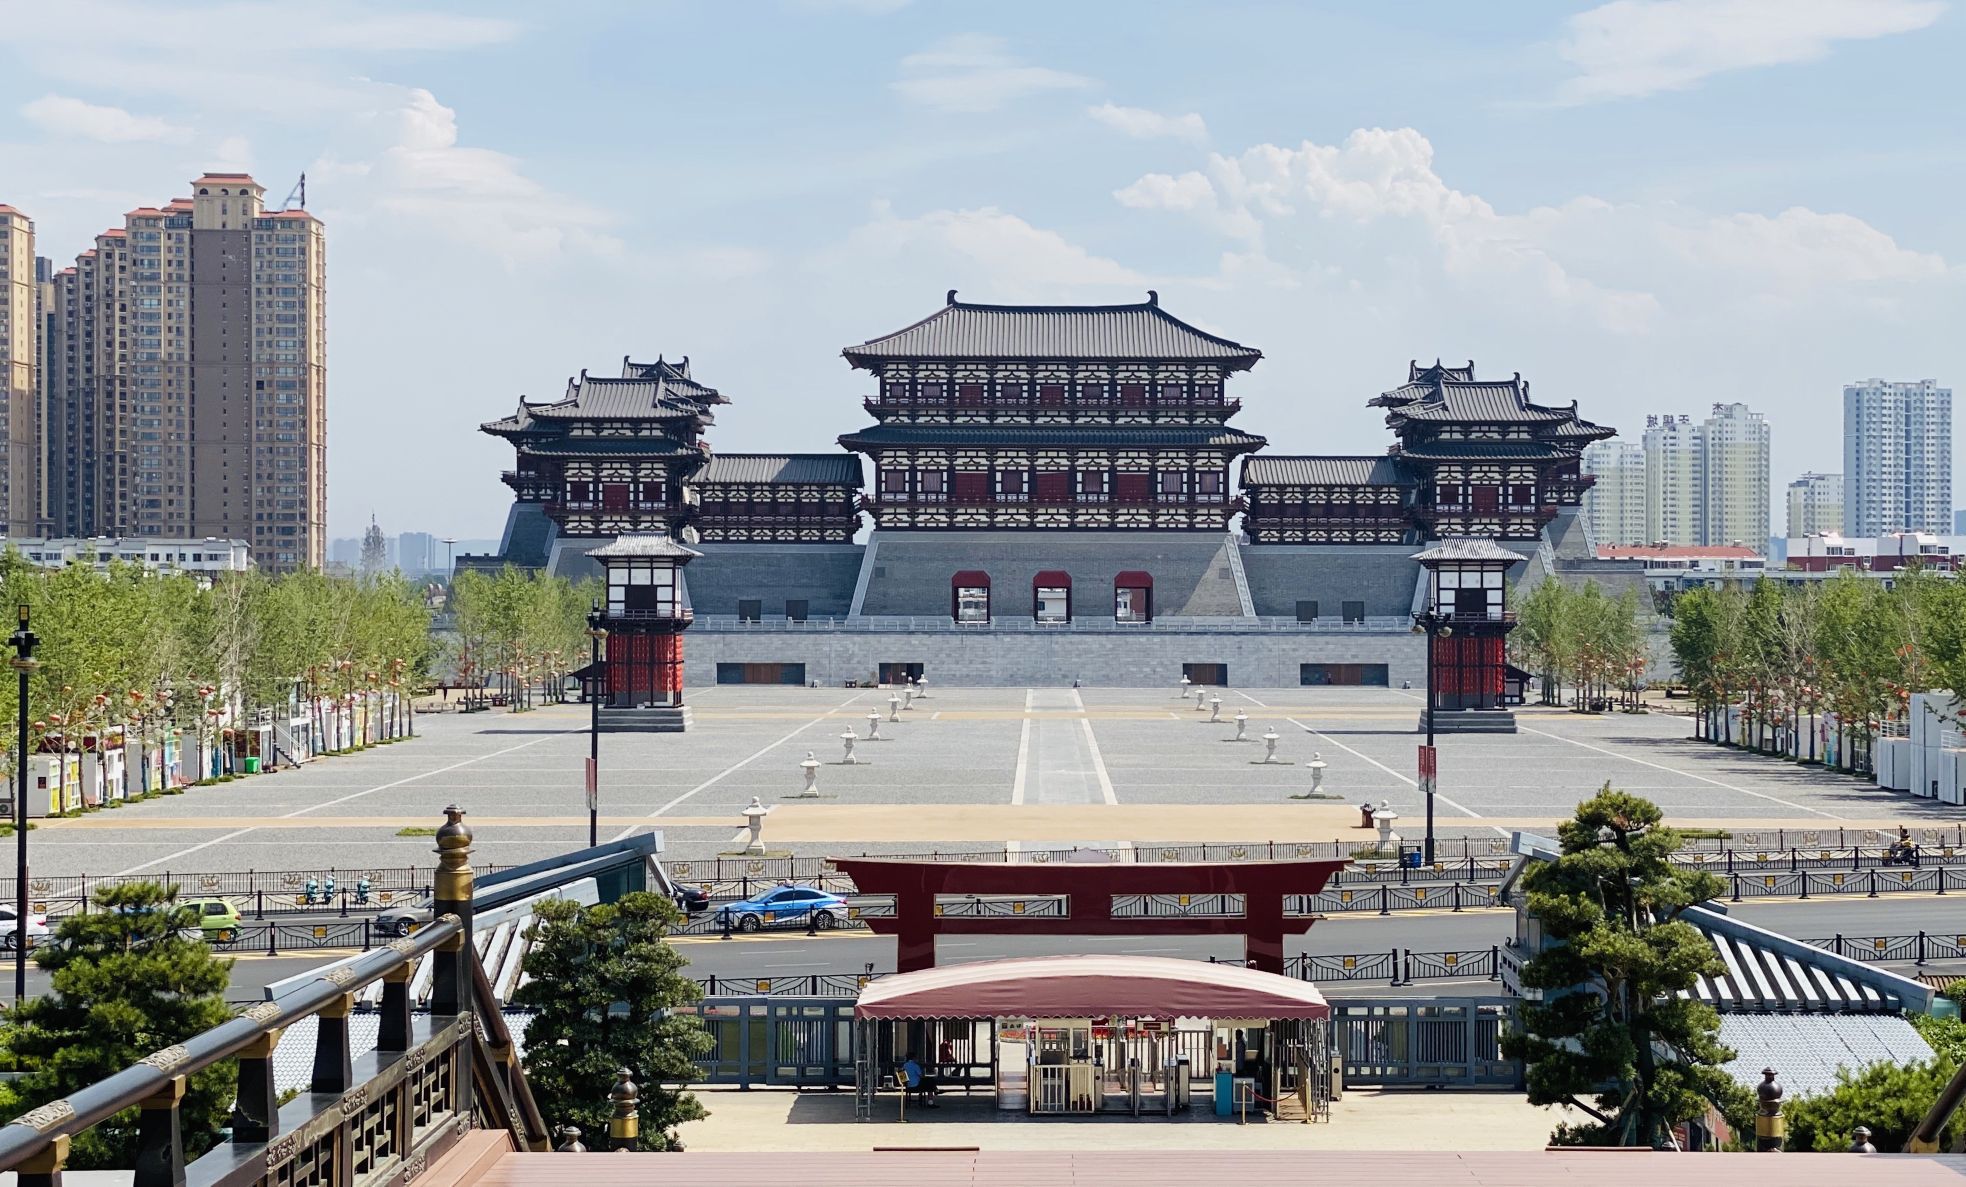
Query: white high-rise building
{"points": [[1707, 483], [1815, 505], [1614, 506], [1897, 457], [1733, 460], [1672, 481]]}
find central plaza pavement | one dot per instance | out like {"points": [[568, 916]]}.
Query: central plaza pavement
{"points": [[964, 769]]}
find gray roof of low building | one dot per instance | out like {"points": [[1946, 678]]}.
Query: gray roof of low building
{"points": [[1368, 470], [964, 331], [832, 469], [1806, 1051], [1052, 436], [1467, 548], [641, 544]]}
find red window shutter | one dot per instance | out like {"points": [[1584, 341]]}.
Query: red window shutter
{"points": [[972, 488], [1054, 488], [1132, 488], [1051, 393], [614, 496]]}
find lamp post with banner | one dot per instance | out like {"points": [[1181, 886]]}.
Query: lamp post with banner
{"points": [[23, 663], [595, 633]]}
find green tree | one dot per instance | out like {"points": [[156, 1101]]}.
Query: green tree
{"points": [[602, 984], [1612, 1025], [127, 981], [1890, 1098]]}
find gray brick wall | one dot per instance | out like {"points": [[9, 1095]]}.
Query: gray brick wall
{"points": [[1191, 573], [1051, 660], [821, 574]]}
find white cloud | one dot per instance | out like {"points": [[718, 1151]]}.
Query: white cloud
{"points": [[1631, 48], [63, 116], [972, 72], [988, 249], [1142, 124], [1626, 268]]}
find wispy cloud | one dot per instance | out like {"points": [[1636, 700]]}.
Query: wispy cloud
{"points": [[1631, 48], [974, 72], [65, 116], [1142, 124]]}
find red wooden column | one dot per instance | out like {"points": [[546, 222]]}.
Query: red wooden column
{"points": [[914, 932], [1262, 938]]}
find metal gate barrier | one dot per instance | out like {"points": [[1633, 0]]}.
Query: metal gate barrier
{"points": [[1440, 1041], [777, 1042]]}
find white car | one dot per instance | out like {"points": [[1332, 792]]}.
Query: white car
{"points": [[37, 928]]}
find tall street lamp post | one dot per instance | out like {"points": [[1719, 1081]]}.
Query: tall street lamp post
{"points": [[595, 687], [1436, 626], [23, 662]]}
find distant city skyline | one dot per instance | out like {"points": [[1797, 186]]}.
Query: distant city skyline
{"points": [[1550, 189]]}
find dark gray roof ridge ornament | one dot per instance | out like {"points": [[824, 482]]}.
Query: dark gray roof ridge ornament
{"points": [[952, 296], [1153, 298]]}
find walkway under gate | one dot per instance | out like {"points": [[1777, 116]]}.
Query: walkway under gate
{"points": [[1434, 1041]]}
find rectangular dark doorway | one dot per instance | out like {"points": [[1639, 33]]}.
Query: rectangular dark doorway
{"points": [[761, 673], [900, 673], [1216, 675], [1368, 675]]}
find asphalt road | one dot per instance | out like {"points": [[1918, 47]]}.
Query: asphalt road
{"points": [[794, 953]]}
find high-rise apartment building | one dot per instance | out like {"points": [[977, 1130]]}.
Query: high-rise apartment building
{"points": [[20, 376], [1706, 483], [1734, 487], [1815, 505], [1897, 457], [417, 553], [1672, 481], [193, 399], [1614, 504]]}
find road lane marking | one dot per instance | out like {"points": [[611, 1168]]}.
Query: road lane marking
{"points": [[1773, 799], [739, 765]]}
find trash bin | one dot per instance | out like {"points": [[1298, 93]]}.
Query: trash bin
{"points": [[1225, 1094], [252, 764], [1409, 856]]}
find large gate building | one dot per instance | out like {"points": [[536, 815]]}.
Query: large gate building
{"points": [[1055, 492]]}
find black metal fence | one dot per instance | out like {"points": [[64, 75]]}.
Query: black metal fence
{"points": [[1916, 948]]}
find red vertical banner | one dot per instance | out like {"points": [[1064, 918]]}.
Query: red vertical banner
{"points": [[593, 785], [1429, 768]]}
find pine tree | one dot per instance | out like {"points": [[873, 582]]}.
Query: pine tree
{"points": [[130, 978], [603, 982], [1612, 1024]]}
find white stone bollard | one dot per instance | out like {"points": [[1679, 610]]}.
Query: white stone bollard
{"points": [[1270, 745], [1317, 765], [1201, 699], [1383, 817], [1214, 710], [847, 740], [874, 727], [754, 819], [810, 767], [1185, 682], [1242, 726], [908, 696], [921, 687], [893, 707]]}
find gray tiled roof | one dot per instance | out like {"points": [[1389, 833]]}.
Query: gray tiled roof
{"points": [[833, 469], [610, 447], [1477, 450], [1276, 470], [644, 544], [638, 399], [676, 375], [1485, 400], [1416, 371], [1467, 548], [1807, 1050], [964, 331], [1052, 436]]}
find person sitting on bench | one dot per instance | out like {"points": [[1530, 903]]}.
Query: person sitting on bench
{"points": [[919, 1083]]}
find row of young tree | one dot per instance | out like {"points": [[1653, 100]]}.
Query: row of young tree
{"points": [[1584, 641], [1786, 654], [519, 632], [148, 653]]}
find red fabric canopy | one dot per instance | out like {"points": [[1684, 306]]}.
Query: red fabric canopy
{"points": [[975, 577], [1053, 577], [1089, 987], [1134, 579]]}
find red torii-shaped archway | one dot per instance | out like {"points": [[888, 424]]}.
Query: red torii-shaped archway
{"points": [[1088, 889]]}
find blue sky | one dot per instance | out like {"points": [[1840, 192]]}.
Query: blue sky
{"points": [[1645, 206]]}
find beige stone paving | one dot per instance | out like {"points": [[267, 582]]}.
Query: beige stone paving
{"points": [[1363, 1120]]}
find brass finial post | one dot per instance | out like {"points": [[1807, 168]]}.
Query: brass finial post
{"points": [[1769, 1125], [625, 1127], [450, 988]]}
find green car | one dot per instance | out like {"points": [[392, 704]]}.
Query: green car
{"points": [[218, 918]]}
